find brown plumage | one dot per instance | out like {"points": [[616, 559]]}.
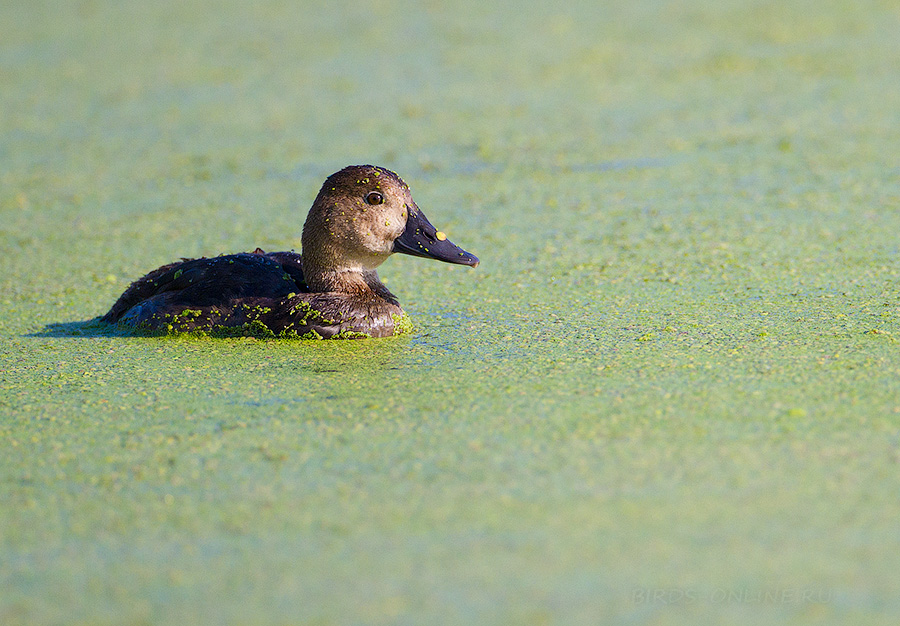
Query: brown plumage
{"points": [[362, 215]]}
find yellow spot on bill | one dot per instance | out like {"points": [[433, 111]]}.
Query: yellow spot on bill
{"points": [[440, 236]]}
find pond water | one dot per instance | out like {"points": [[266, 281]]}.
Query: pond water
{"points": [[667, 395]]}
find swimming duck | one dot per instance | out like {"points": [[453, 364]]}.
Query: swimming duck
{"points": [[361, 216]]}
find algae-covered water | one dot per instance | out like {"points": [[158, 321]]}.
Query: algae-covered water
{"points": [[668, 395]]}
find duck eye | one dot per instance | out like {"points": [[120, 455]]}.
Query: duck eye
{"points": [[374, 198]]}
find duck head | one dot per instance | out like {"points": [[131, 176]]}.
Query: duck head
{"points": [[362, 215]]}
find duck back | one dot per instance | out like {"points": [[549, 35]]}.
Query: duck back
{"points": [[262, 292]]}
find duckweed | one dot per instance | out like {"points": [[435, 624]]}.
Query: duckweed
{"points": [[402, 324], [698, 174]]}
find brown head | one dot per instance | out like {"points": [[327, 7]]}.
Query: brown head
{"points": [[361, 216]]}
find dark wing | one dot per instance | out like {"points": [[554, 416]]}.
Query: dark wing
{"points": [[218, 281], [138, 291], [292, 263]]}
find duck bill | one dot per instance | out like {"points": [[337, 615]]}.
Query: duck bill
{"points": [[422, 239]]}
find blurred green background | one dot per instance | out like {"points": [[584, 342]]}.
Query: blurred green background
{"points": [[667, 396]]}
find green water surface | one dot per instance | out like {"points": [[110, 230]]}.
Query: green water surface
{"points": [[669, 394]]}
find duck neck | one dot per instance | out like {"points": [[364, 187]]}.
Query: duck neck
{"points": [[352, 281]]}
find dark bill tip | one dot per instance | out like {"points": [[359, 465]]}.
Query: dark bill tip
{"points": [[422, 239]]}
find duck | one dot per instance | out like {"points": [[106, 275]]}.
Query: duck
{"points": [[330, 290]]}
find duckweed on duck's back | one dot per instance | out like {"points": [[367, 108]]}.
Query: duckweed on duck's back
{"points": [[362, 215]]}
